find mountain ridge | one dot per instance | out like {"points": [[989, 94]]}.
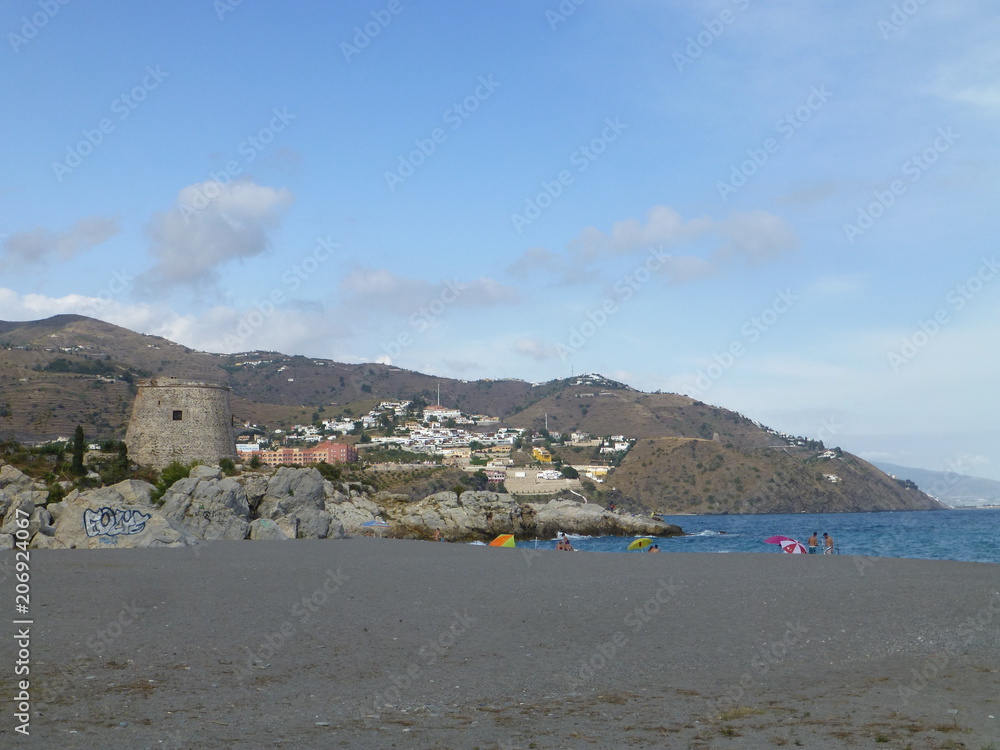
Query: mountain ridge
{"points": [[69, 369]]}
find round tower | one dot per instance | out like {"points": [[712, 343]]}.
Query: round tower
{"points": [[180, 420]]}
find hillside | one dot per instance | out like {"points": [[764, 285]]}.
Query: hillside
{"points": [[690, 456], [621, 410], [70, 369], [952, 488], [693, 475]]}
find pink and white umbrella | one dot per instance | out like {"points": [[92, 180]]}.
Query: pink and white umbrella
{"points": [[793, 548], [788, 545], [778, 539]]}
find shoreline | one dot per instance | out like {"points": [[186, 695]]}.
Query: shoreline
{"points": [[379, 642]]}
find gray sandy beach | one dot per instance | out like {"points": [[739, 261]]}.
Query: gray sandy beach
{"points": [[369, 643]]}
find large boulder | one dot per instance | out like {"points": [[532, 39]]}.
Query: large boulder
{"points": [[15, 480], [205, 472], [290, 490], [298, 496], [18, 491], [255, 486], [592, 520], [104, 517], [473, 515], [209, 508], [264, 529], [350, 514]]}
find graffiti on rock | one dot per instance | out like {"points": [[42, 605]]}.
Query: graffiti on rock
{"points": [[112, 522]]}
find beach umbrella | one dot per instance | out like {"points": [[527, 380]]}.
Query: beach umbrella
{"points": [[640, 543], [504, 540], [778, 539], [794, 548]]}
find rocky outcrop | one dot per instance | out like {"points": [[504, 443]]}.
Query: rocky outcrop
{"points": [[485, 515], [210, 508], [116, 516], [592, 520], [289, 504], [299, 496]]}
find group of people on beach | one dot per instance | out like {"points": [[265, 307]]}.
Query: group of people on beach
{"points": [[813, 544], [563, 544]]}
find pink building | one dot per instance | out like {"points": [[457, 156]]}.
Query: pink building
{"points": [[330, 452]]}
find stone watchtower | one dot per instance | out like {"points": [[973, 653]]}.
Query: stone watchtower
{"points": [[180, 420]]}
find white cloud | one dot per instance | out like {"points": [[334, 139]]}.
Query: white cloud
{"points": [[538, 260], [755, 237], [665, 228], [42, 245], [973, 79], [534, 348], [210, 225], [382, 289], [300, 330]]}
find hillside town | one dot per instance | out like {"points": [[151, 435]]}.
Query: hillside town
{"points": [[401, 435]]}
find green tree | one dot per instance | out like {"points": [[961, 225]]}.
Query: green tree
{"points": [[79, 445], [119, 469], [168, 476], [569, 472]]}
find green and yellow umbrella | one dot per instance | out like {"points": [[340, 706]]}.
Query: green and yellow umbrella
{"points": [[640, 543], [504, 540]]}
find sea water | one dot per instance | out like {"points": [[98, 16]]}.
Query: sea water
{"points": [[965, 535]]}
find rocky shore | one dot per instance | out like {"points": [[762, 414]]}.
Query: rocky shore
{"points": [[291, 503]]}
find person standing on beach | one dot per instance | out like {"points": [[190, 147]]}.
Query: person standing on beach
{"points": [[813, 543], [827, 544]]}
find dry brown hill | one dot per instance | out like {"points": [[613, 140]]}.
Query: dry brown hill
{"points": [[624, 411], [690, 457], [693, 475]]}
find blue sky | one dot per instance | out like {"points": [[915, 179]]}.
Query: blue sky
{"points": [[787, 209]]}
